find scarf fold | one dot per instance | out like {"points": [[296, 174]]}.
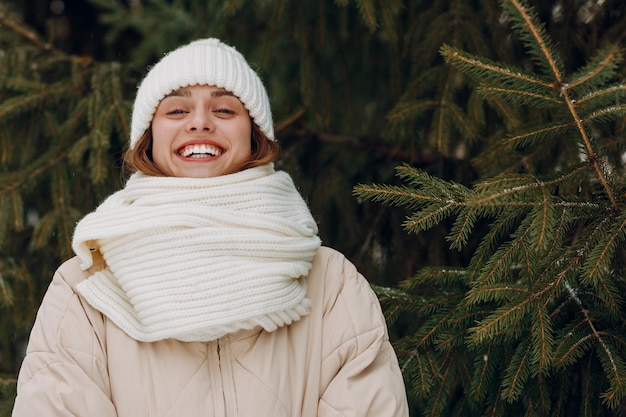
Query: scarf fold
{"points": [[194, 259]]}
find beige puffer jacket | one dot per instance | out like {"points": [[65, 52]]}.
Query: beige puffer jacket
{"points": [[335, 362]]}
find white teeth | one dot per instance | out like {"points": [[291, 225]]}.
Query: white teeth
{"points": [[200, 151]]}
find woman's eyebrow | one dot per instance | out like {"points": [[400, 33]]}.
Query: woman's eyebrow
{"points": [[221, 93], [179, 93], [186, 93]]}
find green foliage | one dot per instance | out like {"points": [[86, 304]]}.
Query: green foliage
{"points": [[535, 319]]}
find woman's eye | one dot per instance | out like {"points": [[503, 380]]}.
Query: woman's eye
{"points": [[225, 111], [176, 111]]}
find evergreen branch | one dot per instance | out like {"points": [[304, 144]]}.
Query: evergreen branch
{"points": [[535, 29], [21, 103], [509, 185], [16, 27], [41, 165], [501, 194], [438, 276], [578, 346], [67, 224], [517, 372], [441, 129], [611, 112], [389, 23], [461, 121], [231, 7], [523, 97], [498, 230], [599, 266], [526, 180], [573, 260], [425, 378], [367, 12], [603, 67], [480, 382], [504, 318], [440, 118], [528, 137], [542, 338], [419, 178], [495, 292], [4, 151], [44, 229], [462, 228], [537, 34], [436, 402], [427, 218], [544, 403], [122, 117], [588, 408], [290, 119], [616, 377], [440, 322], [497, 159], [409, 109], [5, 291], [17, 208], [510, 116], [592, 157], [564, 222], [585, 205], [484, 68], [458, 328], [495, 206], [401, 196], [545, 216], [616, 91]]}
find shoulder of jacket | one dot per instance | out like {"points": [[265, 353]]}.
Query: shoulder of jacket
{"points": [[71, 272], [331, 259], [345, 291], [66, 331], [63, 315]]}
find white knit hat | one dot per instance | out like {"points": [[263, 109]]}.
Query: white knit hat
{"points": [[204, 62]]}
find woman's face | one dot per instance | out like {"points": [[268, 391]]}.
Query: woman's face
{"points": [[200, 131]]}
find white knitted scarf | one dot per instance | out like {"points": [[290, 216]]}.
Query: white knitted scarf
{"points": [[195, 259]]}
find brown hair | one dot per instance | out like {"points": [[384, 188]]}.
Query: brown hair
{"points": [[139, 158]]}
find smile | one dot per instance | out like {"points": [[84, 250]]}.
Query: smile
{"points": [[200, 151]]}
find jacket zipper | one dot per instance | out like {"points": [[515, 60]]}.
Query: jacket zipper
{"points": [[215, 380], [224, 355]]}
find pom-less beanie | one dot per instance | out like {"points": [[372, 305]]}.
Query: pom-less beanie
{"points": [[204, 62]]}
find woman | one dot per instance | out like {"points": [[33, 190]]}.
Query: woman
{"points": [[201, 288]]}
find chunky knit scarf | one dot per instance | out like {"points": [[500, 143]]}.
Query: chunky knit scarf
{"points": [[195, 259]]}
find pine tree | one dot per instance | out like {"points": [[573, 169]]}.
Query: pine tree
{"points": [[533, 324]]}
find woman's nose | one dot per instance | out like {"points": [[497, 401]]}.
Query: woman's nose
{"points": [[200, 121]]}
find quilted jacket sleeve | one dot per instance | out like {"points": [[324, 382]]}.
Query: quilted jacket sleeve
{"points": [[360, 365], [64, 372]]}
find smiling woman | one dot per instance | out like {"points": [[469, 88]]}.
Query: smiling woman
{"points": [[201, 288]]}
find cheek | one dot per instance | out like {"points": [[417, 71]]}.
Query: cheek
{"points": [[160, 142], [244, 143]]}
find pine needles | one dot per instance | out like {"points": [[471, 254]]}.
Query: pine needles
{"points": [[58, 114], [537, 314]]}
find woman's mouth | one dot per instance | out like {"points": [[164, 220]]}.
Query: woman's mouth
{"points": [[200, 151]]}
